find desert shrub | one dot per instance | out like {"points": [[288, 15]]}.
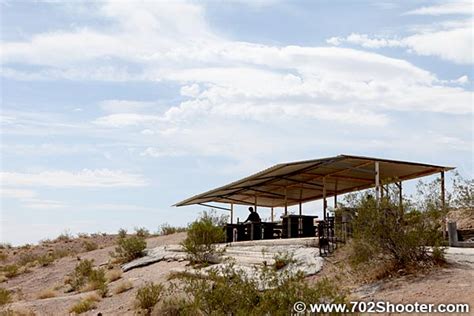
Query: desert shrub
{"points": [[86, 304], [66, 236], [113, 275], [80, 275], [3, 256], [26, 258], [129, 248], [384, 234], [167, 229], [282, 260], [46, 294], [228, 291], [11, 270], [90, 245], [123, 287], [122, 233], [148, 296], [202, 236], [5, 296], [60, 253], [46, 260], [142, 232], [5, 245], [463, 192], [97, 281]]}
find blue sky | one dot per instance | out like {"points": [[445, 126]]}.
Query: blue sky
{"points": [[112, 111]]}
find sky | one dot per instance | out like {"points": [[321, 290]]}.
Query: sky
{"points": [[113, 111]]}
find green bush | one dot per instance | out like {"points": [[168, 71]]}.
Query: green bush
{"points": [[122, 233], [142, 232], [228, 291], [5, 296], [81, 273], [84, 305], [90, 245], [166, 229], [46, 260], [97, 281], [202, 236], [148, 296], [85, 274], [130, 248], [386, 234], [282, 260], [26, 258], [11, 270]]}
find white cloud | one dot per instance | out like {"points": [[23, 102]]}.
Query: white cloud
{"points": [[7, 193], [101, 178], [453, 7], [190, 91], [454, 45], [124, 106], [126, 119]]}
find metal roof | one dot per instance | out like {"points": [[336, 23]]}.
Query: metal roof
{"points": [[302, 181]]}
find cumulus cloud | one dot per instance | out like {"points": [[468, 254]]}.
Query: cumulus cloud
{"points": [[99, 178]]}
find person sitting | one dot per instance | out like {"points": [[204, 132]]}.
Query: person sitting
{"points": [[253, 216]]}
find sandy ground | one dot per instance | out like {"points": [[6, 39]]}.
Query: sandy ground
{"points": [[28, 285], [451, 284]]}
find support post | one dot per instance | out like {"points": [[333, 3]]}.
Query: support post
{"points": [[377, 183], [255, 203], [443, 203], [232, 213], [324, 198], [400, 197], [443, 193], [301, 196], [272, 215], [335, 195], [286, 201]]}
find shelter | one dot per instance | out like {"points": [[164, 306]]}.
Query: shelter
{"points": [[294, 183]]}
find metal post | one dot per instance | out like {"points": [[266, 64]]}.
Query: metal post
{"points": [[255, 203], [272, 214], [231, 213], [335, 195], [443, 198], [443, 203], [400, 197], [377, 183], [301, 196], [286, 201], [324, 197]]}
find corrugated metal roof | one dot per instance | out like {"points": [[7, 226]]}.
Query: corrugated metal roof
{"points": [[302, 181]]}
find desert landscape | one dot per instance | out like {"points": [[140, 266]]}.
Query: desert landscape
{"points": [[38, 287]]}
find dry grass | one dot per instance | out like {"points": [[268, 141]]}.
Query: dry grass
{"points": [[123, 287], [48, 293], [113, 275], [86, 304], [18, 311]]}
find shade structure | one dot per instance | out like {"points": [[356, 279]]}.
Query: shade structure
{"points": [[293, 183]]}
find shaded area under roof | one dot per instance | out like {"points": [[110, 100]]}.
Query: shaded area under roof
{"points": [[303, 181]]}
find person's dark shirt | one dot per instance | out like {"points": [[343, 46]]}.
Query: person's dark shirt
{"points": [[253, 217]]}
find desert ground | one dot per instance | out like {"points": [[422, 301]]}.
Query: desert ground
{"points": [[451, 283]]}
